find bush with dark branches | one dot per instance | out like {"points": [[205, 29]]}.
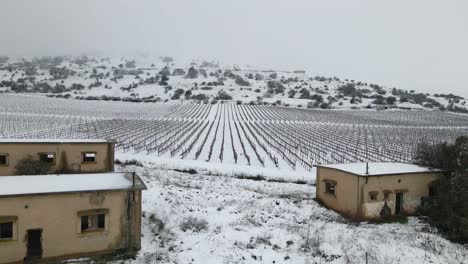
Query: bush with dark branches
{"points": [[447, 208]]}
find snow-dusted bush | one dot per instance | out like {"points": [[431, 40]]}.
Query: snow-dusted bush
{"points": [[130, 64], [193, 224], [222, 95], [178, 72], [192, 73], [165, 71]]}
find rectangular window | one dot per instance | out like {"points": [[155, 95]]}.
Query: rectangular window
{"points": [[387, 195], [3, 159], [330, 188], [47, 157], [373, 196], [6, 231], [96, 222], [89, 157]]}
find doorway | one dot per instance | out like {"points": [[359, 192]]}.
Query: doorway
{"points": [[34, 244], [398, 203]]}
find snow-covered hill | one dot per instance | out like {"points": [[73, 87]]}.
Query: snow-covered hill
{"points": [[163, 79]]}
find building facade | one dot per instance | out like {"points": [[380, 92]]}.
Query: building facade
{"points": [[373, 190], [63, 156], [66, 216]]}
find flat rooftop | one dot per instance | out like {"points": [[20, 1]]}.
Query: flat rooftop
{"points": [[379, 168], [68, 183], [52, 141]]}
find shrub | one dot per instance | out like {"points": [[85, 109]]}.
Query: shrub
{"points": [[240, 81], [192, 73], [130, 64], [222, 95], [447, 208], [31, 166], [275, 87], [177, 94], [164, 80], [391, 100], [325, 106], [165, 71], [193, 224], [178, 71], [349, 90], [199, 97]]}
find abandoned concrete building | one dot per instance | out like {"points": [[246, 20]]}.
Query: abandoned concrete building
{"points": [[374, 190], [63, 156], [51, 217]]}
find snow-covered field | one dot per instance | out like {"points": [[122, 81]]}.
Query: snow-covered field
{"points": [[226, 217], [227, 138], [268, 222]]}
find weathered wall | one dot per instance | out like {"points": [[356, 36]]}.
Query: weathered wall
{"points": [[67, 156], [57, 216], [414, 187], [346, 199]]}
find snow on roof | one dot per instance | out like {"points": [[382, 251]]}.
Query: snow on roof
{"points": [[52, 140], [379, 168], [64, 183]]}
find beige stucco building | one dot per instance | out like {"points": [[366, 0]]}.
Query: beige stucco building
{"points": [[70, 215], [361, 191], [63, 156]]}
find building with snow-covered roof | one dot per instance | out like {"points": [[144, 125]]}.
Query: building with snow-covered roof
{"points": [[373, 190], [69, 215], [62, 155]]}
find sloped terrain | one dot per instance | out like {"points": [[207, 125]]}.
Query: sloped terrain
{"points": [[164, 80]]}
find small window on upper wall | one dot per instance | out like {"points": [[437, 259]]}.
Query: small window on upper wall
{"points": [[47, 157], [3, 159], [6, 231], [89, 157], [373, 196], [330, 188]]}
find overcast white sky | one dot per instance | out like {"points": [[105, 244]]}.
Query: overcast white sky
{"points": [[411, 44]]}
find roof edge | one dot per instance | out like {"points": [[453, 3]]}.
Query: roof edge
{"points": [[73, 192], [56, 141], [434, 170]]}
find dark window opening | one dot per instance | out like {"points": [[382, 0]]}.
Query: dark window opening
{"points": [[93, 222], [373, 196], [89, 157], [84, 223], [330, 188], [432, 191], [47, 157], [6, 230], [3, 159], [386, 195], [101, 221]]}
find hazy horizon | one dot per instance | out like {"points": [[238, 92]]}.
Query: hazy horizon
{"points": [[418, 45]]}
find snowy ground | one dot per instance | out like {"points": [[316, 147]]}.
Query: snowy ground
{"points": [[269, 222]]}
